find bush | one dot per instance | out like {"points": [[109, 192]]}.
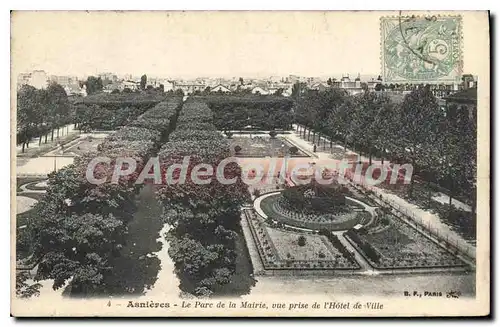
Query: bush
{"points": [[229, 134], [237, 149], [256, 193], [273, 134], [293, 150], [301, 241], [370, 252]]}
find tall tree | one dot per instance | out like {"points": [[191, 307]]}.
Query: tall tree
{"points": [[27, 106], [93, 84], [419, 122], [144, 81]]}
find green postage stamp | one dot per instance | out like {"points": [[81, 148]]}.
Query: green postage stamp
{"points": [[421, 49]]}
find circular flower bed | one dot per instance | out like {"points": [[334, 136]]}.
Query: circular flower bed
{"points": [[276, 208]]}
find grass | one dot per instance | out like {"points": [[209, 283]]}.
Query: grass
{"points": [[133, 271], [401, 246], [26, 180], [463, 222], [286, 244], [83, 147], [241, 281], [25, 217]]}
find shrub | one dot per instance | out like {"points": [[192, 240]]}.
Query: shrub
{"points": [[370, 252], [301, 240], [321, 255], [273, 134], [256, 193], [237, 149], [293, 150], [229, 134]]}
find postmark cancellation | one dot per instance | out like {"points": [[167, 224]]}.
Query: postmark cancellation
{"points": [[421, 49]]}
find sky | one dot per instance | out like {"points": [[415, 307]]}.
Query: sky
{"points": [[196, 44]]}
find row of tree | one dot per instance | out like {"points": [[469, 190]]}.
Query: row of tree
{"points": [[261, 112], [41, 113], [80, 226], [205, 219], [439, 142]]}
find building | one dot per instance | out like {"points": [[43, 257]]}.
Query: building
{"points": [[64, 80], [108, 77], [189, 88], [37, 78], [131, 85], [259, 90], [75, 90], [23, 79], [352, 87], [220, 88]]}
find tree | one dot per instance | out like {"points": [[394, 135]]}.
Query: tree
{"points": [[93, 84], [418, 126], [23, 289], [27, 106], [58, 106], [366, 120], [144, 80], [241, 81], [329, 81]]}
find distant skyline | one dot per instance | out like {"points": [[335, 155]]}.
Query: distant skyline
{"points": [[200, 44]]}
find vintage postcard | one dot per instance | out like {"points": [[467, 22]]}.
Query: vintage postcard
{"points": [[309, 164]]}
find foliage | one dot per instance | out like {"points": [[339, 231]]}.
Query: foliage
{"points": [[41, 111], [93, 85], [264, 112], [23, 288], [81, 227], [204, 218]]}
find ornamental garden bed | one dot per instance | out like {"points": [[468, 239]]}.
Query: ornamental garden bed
{"points": [[281, 249], [391, 243], [263, 146], [462, 222], [272, 208]]}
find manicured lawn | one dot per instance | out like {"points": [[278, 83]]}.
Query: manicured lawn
{"points": [[263, 146], [26, 180], [401, 246], [286, 244], [136, 269], [83, 146], [463, 222], [279, 248], [241, 281]]}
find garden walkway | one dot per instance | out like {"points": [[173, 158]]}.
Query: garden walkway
{"points": [[430, 220]]}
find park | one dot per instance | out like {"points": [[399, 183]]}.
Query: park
{"points": [[226, 239]]}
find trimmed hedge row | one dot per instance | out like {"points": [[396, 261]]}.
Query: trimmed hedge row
{"points": [[338, 245], [370, 252], [264, 112], [82, 226], [205, 218]]}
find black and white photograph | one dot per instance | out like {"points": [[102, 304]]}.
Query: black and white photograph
{"points": [[250, 163]]}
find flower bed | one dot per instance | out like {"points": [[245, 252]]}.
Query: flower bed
{"points": [[273, 208], [281, 249], [398, 245], [264, 146]]}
